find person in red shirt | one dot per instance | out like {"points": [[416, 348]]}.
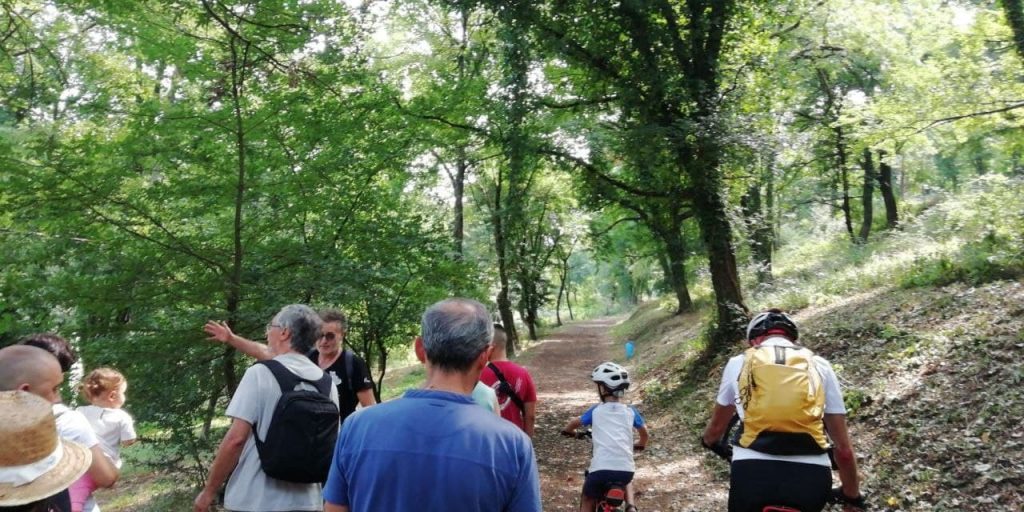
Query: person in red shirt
{"points": [[517, 395]]}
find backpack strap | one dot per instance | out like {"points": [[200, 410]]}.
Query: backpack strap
{"points": [[287, 380], [349, 364], [507, 388]]}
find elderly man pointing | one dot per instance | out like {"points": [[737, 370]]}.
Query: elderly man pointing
{"points": [[434, 448]]}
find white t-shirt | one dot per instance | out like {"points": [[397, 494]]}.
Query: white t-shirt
{"points": [[249, 488], [112, 426], [73, 425], [612, 425], [728, 394]]}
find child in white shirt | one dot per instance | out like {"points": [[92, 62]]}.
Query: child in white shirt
{"points": [[612, 423], [105, 389]]}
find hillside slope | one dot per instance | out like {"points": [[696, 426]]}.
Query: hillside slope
{"points": [[933, 384], [925, 327]]}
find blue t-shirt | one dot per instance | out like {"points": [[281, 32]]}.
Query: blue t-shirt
{"points": [[432, 450], [612, 425]]}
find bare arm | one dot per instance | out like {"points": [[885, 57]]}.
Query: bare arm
{"points": [[223, 463], [845, 458], [644, 436], [720, 418], [366, 397], [219, 331], [573, 424], [529, 417], [331, 507], [102, 470]]}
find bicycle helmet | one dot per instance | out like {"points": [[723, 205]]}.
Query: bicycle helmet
{"points": [[773, 319], [613, 376]]}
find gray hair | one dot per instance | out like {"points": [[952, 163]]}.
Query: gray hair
{"points": [[455, 332], [303, 323]]}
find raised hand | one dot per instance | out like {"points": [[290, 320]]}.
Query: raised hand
{"points": [[218, 331]]}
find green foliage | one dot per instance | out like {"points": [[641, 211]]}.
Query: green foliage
{"points": [[973, 236]]}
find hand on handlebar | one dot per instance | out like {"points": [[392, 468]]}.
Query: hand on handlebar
{"points": [[723, 450], [568, 433], [638, 447], [849, 504]]}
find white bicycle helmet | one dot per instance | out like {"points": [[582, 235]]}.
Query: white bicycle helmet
{"points": [[613, 376]]}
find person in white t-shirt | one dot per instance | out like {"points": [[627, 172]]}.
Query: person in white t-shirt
{"points": [[612, 423], [799, 480], [105, 389], [290, 335]]}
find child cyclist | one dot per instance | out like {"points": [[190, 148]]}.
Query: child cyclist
{"points": [[104, 388], [612, 423]]}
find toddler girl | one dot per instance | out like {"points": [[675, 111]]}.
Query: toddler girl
{"points": [[104, 388]]}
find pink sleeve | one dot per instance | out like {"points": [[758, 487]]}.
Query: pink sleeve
{"points": [[80, 492]]}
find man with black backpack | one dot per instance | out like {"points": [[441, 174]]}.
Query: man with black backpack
{"points": [[348, 371], [517, 396], [284, 426], [790, 404]]}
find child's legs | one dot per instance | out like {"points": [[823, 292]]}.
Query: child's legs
{"points": [[80, 492], [587, 503], [598, 482]]}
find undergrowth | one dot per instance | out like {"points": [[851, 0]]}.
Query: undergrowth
{"points": [[975, 236]]}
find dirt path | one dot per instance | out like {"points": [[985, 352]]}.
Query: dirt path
{"points": [[670, 477]]}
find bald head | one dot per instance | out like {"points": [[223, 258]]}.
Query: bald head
{"points": [[31, 369]]}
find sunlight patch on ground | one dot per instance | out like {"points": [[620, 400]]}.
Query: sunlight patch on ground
{"points": [[568, 398]]}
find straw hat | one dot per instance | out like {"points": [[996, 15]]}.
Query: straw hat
{"points": [[34, 462]]}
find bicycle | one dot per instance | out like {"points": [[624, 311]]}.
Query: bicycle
{"points": [[723, 449], [615, 494]]}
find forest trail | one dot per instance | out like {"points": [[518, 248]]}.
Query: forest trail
{"points": [[670, 476]]}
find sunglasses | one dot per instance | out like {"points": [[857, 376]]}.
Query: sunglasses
{"points": [[329, 336]]}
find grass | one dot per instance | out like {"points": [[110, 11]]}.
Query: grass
{"points": [[976, 236]]}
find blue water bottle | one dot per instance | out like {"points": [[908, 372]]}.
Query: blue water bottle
{"points": [[630, 349]]}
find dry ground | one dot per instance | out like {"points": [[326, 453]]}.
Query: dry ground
{"points": [[670, 476]]}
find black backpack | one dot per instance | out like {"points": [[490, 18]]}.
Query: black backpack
{"points": [[300, 441]]}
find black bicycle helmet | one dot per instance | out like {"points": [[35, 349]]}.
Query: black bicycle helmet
{"points": [[769, 320]]}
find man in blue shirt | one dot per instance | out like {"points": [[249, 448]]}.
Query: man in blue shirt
{"points": [[434, 448]]}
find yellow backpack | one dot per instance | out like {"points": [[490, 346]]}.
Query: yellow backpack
{"points": [[783, 401]]}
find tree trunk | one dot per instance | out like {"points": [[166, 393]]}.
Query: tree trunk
{"points": [[768, 236], [759, 229], [568, 305], [675, 250], [563, 278], [867, 195], [1015, 18], [458, 188], [461, 160], [500, 249], [240, 63], [885, 187], [844, 181]]}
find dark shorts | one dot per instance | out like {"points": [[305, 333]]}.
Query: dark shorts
{"points": [[753, 484], [597, 482]]}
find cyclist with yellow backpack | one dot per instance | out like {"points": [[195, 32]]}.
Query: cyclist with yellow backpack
{"points": [[786, 398]]}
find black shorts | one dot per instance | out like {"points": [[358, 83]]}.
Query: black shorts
{"points": [[597, 481], [753, 484]]}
